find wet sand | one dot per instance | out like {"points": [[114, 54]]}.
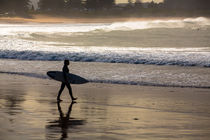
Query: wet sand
{"points": [[28, 110]]}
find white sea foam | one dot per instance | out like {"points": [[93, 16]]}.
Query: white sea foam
{"points": [[113, 56], [146, 75], [33, 50]]}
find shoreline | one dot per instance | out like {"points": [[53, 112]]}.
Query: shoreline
{"points": [[99, 72]]}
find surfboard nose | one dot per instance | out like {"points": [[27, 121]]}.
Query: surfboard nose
{"points": [[51, 74]]}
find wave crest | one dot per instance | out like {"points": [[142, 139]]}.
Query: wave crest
{"points": [[163, 58], [11, 29]]}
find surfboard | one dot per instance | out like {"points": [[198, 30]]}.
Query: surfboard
{"points": [[72, 78]]}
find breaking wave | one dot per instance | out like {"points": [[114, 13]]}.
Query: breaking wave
{"points": [[131, 57]]}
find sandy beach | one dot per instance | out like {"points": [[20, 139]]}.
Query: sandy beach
{"points": [[28, 110]]}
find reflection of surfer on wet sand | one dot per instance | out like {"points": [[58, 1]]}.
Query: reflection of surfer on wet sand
{"points": [[65, 121]]}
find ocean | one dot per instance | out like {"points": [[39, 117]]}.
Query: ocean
{"points": [[166, 53]]}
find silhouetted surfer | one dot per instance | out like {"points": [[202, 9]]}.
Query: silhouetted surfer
{"points": [[66, 83]]}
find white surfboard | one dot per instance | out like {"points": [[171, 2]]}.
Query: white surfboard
{"points": [[72, 78]]}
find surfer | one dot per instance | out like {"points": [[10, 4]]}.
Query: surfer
{"points": [[66, 83]]}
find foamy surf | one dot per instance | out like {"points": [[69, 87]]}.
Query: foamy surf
{"points": [[128, 74], [201, 59]]}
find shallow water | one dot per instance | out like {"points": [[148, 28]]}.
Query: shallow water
{"points": [[128, 74]]}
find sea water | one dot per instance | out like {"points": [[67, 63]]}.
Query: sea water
{"points": [[174, 53]]}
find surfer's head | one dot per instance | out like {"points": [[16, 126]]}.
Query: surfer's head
{"points": [[66, 62]]}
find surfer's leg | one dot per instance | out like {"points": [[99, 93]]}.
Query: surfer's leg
{"points": [[70, 92], [60, 91]]}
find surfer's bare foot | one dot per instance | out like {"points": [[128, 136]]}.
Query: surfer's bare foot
{"points": [[73, 99], [73, 102], [59, 100]]}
